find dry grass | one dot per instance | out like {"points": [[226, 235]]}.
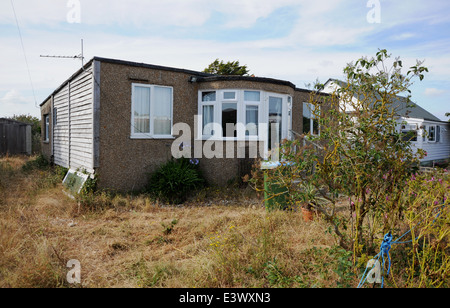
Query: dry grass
{"points": [[132, 241]]}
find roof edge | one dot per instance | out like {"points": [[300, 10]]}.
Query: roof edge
{"points": [[203, 77], [152, 66], [82, 69], [246, 78], [14, 121]]}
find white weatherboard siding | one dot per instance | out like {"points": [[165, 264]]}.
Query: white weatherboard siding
{"points": [[73, 130], [437, 150], [419, 117], [61, 127]]}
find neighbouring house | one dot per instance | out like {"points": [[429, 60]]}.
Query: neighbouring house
{"points": [[121, 120], [15, 137], [423, 129]]}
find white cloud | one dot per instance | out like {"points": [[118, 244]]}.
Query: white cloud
{"points": [[434, 92], [14, 102], [13, 97], [403, 36], [245, 13], [300, 56], [149, 13]]}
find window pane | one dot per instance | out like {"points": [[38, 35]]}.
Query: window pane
{"points": [[208, 120], [229, 95], [162, 114], [251, 123], [307, 111], [315, 127], [306, 125], [209, 96], [432, 133], [310, 121], [275, 116], [229, 119], [409, 135], [47, 128], [55, 116], [141, 107], [252, 96]]}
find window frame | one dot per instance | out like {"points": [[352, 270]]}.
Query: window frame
{"points": [[429, 134], [311, 120], [246, 104], [242, 104], [412, 130], [424, 133], [236, 93], [202, 104], [47, 128], [258, 127], [150, 134]]}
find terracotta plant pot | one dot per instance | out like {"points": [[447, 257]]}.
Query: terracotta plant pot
{"points": [[307, 215]]}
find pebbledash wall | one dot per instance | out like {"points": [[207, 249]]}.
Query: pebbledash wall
{"points": [[91, 119]]}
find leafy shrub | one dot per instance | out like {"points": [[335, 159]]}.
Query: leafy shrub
{"points": [[173, 181], [39, 163], [60, 171]]}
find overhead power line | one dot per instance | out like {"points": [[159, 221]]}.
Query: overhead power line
{"points": [[24, 53]]}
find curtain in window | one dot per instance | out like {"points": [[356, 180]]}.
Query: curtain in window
{"points": [[162, 114], [306, 118], [208, 120], [251, 115], [141, 101]]}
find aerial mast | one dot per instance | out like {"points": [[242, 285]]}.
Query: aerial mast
{"points": [[80, 56]]}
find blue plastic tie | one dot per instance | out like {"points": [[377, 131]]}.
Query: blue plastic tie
{"points": [[386, 247], [384, 250]]}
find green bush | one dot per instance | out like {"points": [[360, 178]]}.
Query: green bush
{"points": [[174, 180], [40, 163]]}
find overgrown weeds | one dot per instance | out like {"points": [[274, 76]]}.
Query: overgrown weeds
{"points": [[124, 240]]}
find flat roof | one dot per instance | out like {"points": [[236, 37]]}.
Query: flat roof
{"points": [[203, 77]]}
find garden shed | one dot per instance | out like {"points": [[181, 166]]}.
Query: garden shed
{"points": [[15, 137]]}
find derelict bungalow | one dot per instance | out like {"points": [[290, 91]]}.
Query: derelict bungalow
{"points": [[116, 119]]}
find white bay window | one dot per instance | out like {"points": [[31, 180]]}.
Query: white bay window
{"points": [[240, 115]]}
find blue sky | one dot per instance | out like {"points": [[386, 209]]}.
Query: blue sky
{"points": [[295, 40]]}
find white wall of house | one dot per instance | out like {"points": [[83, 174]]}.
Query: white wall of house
{"points": [[437, 149], [331, 87], [73, 123]]}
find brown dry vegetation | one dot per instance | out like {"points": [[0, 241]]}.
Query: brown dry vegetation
{"points": [[213, 240]]}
